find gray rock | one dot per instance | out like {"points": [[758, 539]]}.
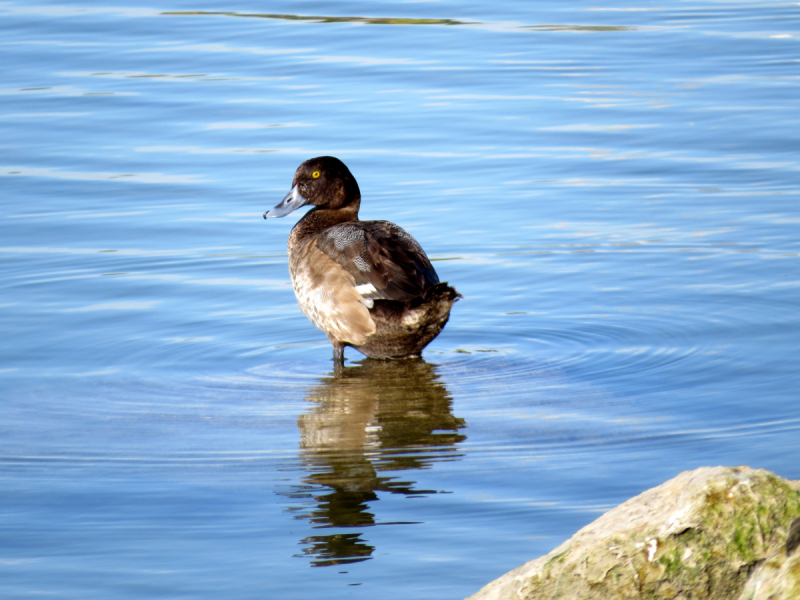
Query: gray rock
{"points": [[716, 533]]}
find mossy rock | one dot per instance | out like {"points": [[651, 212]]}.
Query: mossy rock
{"points": [[703, 534]]}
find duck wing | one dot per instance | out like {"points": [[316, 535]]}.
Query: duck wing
{"points": [[385, 261]]}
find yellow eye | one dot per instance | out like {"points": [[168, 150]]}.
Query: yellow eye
{"points": [[315, 174]]}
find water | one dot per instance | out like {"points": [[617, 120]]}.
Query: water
{"points": [[612, 187]]}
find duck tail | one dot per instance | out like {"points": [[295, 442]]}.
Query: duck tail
{"points": [[440, 294]]}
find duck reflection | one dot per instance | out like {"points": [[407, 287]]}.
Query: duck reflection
{"points": [[377, 417]]}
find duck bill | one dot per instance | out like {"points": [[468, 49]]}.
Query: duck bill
{"points": [[292, 201]]}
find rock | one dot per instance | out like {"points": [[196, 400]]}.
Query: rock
{"points": [[778, 577], [715, 533]]}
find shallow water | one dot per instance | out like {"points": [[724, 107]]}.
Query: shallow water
{"points": [[613, 188]]}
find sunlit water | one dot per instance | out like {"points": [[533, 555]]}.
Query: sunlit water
{"points": [[612, 187]]}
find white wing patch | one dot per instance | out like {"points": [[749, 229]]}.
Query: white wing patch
{"points": [[365, 289]]}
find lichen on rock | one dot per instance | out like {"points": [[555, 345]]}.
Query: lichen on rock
{"points": [[713, 533]]}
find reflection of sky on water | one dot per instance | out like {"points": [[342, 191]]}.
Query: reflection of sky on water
{"points": [[614, 190], [377, 417]]}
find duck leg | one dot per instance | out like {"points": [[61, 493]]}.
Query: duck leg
{"points": [[338, 353]]}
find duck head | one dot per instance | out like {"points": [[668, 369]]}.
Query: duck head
{"points": [[324, 182]]}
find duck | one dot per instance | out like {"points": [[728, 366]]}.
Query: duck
{"points": [[366, 284]]}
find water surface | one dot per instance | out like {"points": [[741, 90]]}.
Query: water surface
{"points": [[613, 188]]}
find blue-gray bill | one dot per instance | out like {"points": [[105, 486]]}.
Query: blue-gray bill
{"points": [[291, 202]]}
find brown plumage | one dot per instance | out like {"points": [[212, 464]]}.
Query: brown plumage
{"points": [[366, 284]]}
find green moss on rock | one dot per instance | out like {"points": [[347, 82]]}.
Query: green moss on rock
{"points": [[702, 535]]}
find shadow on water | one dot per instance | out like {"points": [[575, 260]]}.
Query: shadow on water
{"points": [[398, 21], [365, 420], [319, 19]]}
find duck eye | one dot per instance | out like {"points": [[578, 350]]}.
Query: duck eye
{"points": [[315, 174]]}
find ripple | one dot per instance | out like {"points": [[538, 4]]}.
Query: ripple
{"points": [[96, 176], [233, 420]]}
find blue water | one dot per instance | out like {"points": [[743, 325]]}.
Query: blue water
{"points": [[612, 187]]}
